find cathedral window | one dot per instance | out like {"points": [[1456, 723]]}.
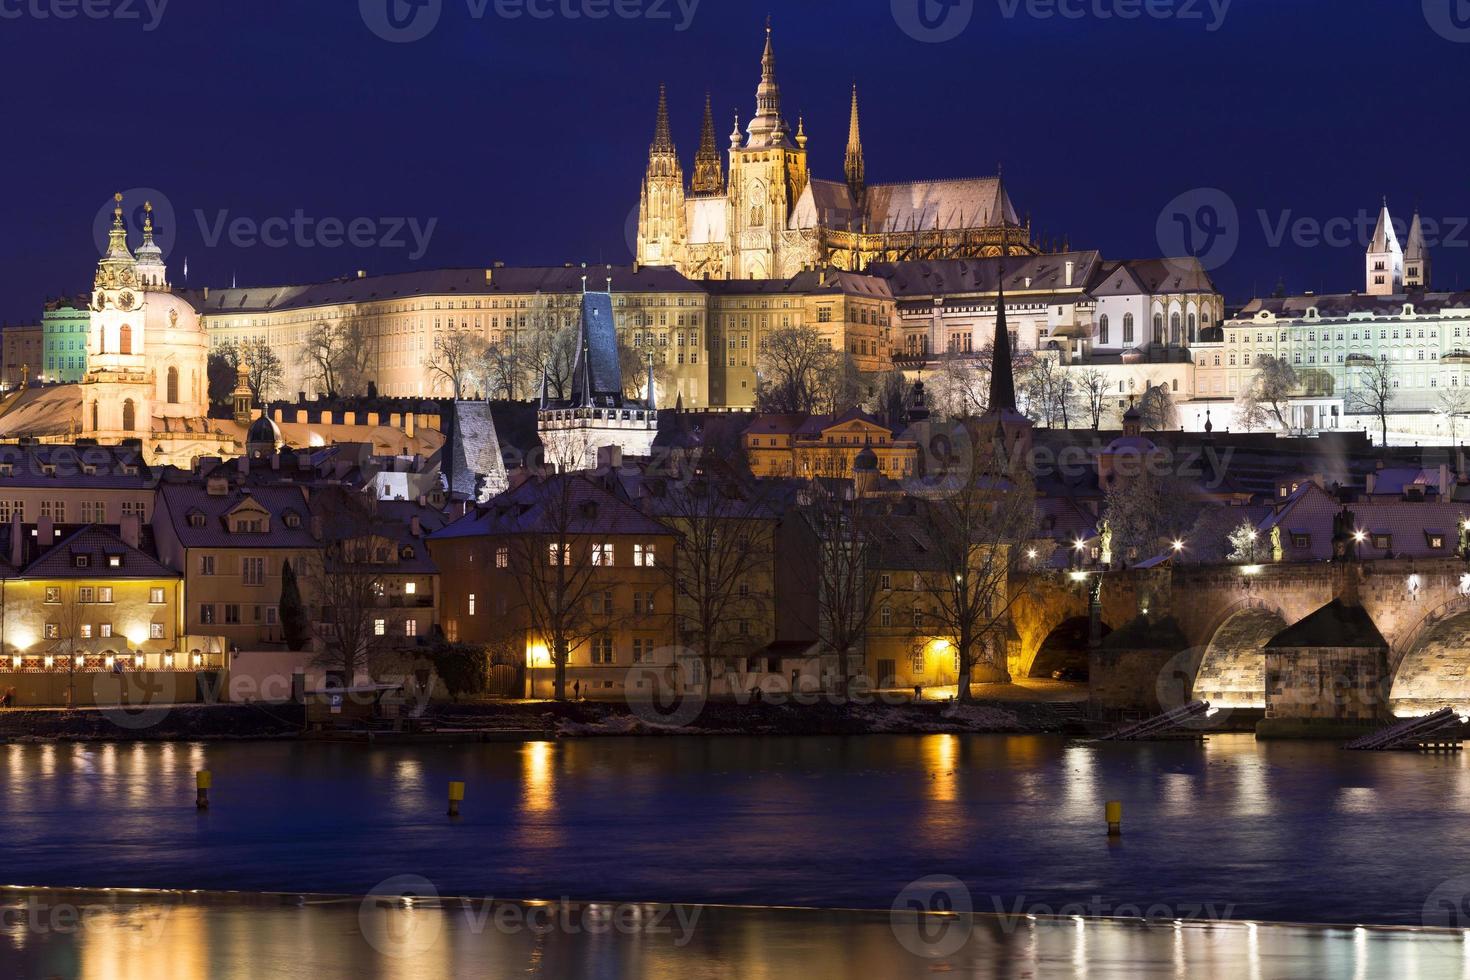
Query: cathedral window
{"points": [[173, 386], [129, 414], [1102, 329], [1128, 328]]}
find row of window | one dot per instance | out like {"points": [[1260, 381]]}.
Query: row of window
{"points": [[88, 594], [86, 631]]}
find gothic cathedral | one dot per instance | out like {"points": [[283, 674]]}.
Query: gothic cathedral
{"points": [[772, 220]]}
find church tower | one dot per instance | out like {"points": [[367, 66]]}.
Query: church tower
{"points": [[854, 167], [709, 172], [1416, 257], [767, 175], [1385, 258], [152, 273], [661, 216], [116, 392]]}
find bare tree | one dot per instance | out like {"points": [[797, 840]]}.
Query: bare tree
{"points": [[1092, 388], [338, 357], [978, 530], [1454, 404], [1372, 394], [722, 563], [1147, 512], [65, 619], [346, 577], [267, 373], [843, 570], [1269, 393], [1157, 408], [960, 387], [889, 399], [453, 360], [635, 351], [555, 574], [501, 371], [1051, 394], [794, 365]]}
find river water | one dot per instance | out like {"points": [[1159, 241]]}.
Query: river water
{"points": [[1005, 826]]}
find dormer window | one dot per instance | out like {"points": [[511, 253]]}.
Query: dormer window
{"points": [[293, 520], [196, 520], [82, 561], [114, 561], [407, 552]]}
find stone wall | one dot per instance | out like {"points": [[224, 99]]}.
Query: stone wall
{"points": [[1326, 684]]}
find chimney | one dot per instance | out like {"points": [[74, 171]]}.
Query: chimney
{"points": [[1370, 482], [130, 530], [1071, 270], [415, 526], [17, 543], [316, 527], [206, 294]]}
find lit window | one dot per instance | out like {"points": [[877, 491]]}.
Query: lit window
{"points": [[104, 594], [472, 603], [502, 558], [410, 627], [86, 631], [155, 596], [410, 588], [155, 631], [643, 555], [602, 554], [380, 627], [106, 629]]}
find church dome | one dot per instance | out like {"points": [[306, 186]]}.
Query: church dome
{"points": [[168, 312], [263, 437]]}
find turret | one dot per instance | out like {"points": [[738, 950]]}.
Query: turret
{"points": [[854, 167], [766, 126], [709, 173], [1385, 258], [1416, 257], [661, 205], [152, 273]]}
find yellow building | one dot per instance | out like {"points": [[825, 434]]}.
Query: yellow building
{"points": [[809, 446], [21, 354], [230, 543]]}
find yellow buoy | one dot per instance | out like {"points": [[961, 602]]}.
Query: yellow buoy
{"points": [[1115, 818], [204, 780], [456, 797]]}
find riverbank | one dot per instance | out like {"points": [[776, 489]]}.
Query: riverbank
{"points": [[1007, 712]]}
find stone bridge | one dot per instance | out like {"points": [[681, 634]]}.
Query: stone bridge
{"points": [[1209, 623]]}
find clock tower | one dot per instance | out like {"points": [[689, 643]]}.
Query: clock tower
{"points": [[116, 401]]}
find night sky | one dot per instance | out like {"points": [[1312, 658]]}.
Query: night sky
{"points": [[524, 139]]}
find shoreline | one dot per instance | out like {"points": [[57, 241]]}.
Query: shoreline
{"points": [[485, 720]]}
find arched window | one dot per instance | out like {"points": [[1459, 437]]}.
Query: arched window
{"points": [[128, 415], [173, 386], [1102, 330], [95, 426], [1193, 332], [1174, 328], [125, 340], [1158, 328], [1128, 328]]}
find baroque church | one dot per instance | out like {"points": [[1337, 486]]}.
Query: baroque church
{"points": [[772, 219], [147, 357]]}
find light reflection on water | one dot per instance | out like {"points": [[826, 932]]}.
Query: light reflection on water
{"points": [[1232, 828], [144, 936]]}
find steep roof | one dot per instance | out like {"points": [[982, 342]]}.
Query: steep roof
{"points": [[97, 546], [573, 502], [181, 501], [1023, 273], [597, 374]]}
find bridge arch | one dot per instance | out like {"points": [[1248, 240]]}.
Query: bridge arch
{"points": [[1066, 646], [1430, 668], [1232, 667]]}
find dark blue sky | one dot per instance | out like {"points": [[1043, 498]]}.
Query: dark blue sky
{"points": [[524, 139]]}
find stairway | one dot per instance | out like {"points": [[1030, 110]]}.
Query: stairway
{"points": [[1158, 726]]}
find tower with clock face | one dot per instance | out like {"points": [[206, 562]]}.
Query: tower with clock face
{"points": [[116, 393]]}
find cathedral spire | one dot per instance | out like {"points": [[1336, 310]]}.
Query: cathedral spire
{"points": [[709, 175], [1416, 256], [854, 168], [663, 140], [117, 237], [1002, 376], [766, 127]]}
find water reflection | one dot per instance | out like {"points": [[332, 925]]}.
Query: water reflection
{"points": [[1227, 828], [142, 936]]}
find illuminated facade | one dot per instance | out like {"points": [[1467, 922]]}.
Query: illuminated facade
{"points": [[772, 219]]}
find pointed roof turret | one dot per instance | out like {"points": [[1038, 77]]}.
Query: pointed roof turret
{"points": [[663, 140], [766, 127], [1002, 373], [1384, 237], [151, 269], [709, 174], [117, 268], [855, 168], [1416, 256]]}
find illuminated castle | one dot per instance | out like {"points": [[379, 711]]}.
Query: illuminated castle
{"points": [[772, 219]]}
